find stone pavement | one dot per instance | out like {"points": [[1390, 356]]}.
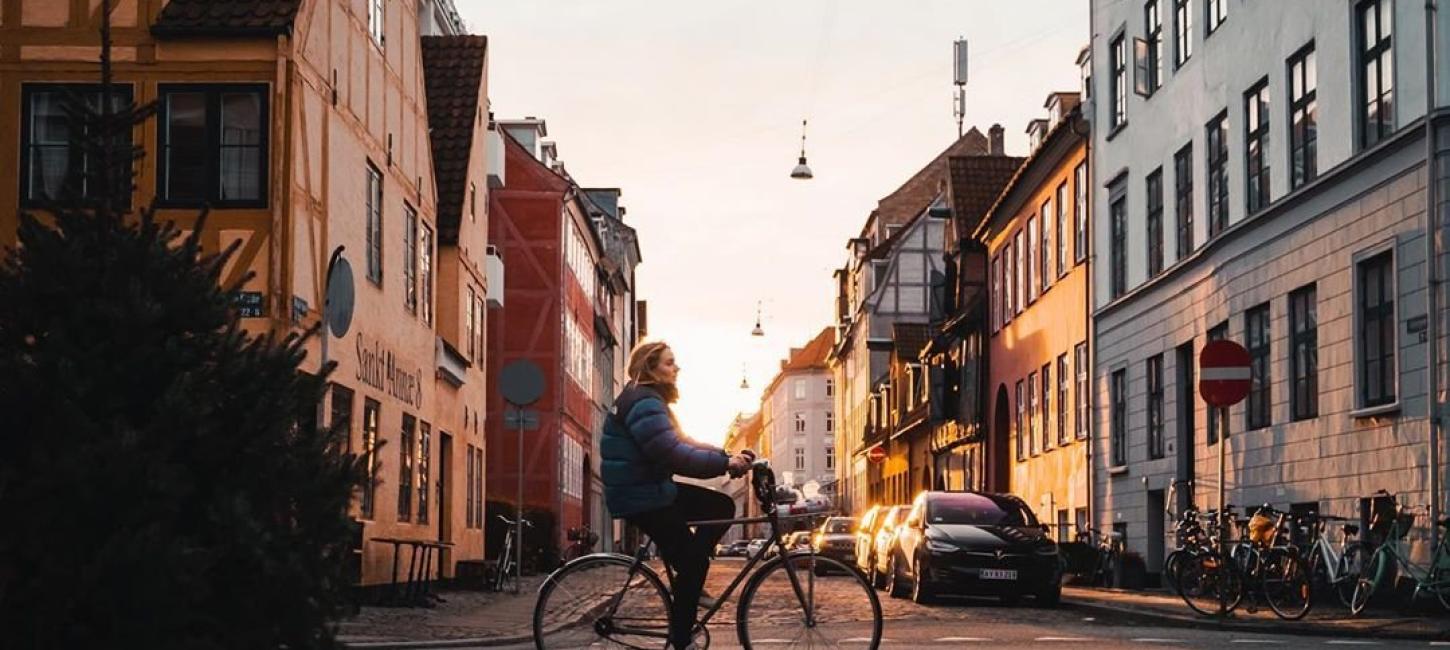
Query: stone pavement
{"points": [[474, 616], [1427, 621]]}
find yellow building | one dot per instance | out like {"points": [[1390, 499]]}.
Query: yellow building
{"points": [[304, 125]]}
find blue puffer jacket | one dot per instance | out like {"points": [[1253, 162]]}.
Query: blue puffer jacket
{"points": [[641, 451]]}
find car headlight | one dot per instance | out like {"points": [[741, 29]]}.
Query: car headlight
{"points": [[939, 546]]}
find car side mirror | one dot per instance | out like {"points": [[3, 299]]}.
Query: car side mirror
{"points": [[1045, 528]]}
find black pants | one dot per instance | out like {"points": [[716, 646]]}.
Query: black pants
{"points": [[686, 551]]}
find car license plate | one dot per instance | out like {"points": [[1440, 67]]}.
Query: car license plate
{"points": [[999, 574]]}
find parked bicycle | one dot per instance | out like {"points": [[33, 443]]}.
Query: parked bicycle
{"points": [[1109, 555], [507, 568], [1335, 566], [1391, 555], [1264, 568], [581, 543], [615, 600]]}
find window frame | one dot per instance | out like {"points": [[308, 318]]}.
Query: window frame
{"points": [[1118, 77], [373, 226], [423, 467], [407, 436], [26, 131], [426, 243], [1080, 213], [1383, 47], [1153, 369], [1034, 288], [1307, 104], [1153, 188], [1063, 379], [1389, 314], [410, 259], [1153, 38], [1183, 199], [1117, 245], [1044, 248], [1182, 32], [1215, 13], [1216, 160], [1258, 177], [371, 428], [1118, 418], [1032, 406], [1258, 333], [377, 22], [1303, 353], [1045, 405], [1063, 266], [1022, 434], [213, 93], [1082, 422]]}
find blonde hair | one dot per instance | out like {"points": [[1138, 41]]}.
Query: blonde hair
{"points": [[644, 362]]}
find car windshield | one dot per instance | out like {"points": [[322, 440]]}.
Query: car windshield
{"points": [[838, 525], [978, 510]]}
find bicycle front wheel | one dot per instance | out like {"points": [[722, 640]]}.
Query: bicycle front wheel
{"points": [[1285, 584], [808, 601], [597, 601], [1209, 584]]}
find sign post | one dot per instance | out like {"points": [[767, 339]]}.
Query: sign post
{"points": [[522, 383], [1224, 380]]}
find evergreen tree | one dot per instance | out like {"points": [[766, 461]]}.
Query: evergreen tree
{"points": [[164, 482]]}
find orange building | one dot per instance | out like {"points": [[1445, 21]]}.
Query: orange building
{"points": [[1037, 251], [304, 125]]}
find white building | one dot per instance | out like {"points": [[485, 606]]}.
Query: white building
{"points": [[1260, 172], [798, 414]]}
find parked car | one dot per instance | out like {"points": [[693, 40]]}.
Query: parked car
{"points": [[754, 546], [866, 538], [884, 545], [836, 539], [975, 543], [798, 539]]}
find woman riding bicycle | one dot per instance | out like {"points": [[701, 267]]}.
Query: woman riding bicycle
{"points": [[641, 450]]}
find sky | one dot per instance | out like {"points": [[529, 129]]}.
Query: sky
{"points": [[694, 110]]}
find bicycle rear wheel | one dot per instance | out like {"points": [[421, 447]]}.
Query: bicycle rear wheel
{"points": [[1285, 584], [835, 609], [1209, 584], [1351, 566], [595, 601]]}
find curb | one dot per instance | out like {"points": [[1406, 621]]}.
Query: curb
{"points": [[1303, 629], [440, 643]]}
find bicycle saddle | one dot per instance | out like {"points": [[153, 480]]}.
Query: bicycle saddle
{"points": [[1350, 529]]}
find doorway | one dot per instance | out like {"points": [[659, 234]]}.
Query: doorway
{"points": [[1156, 531], [445, 496], [998, 452], [1186, 425]]}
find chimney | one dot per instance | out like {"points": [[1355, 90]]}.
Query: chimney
{"points": [[994, 140]]}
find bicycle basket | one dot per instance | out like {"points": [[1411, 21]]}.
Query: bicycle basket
{"points": [[1262, 529]]}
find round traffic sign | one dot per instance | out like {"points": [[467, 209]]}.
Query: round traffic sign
{"points": [[877, 454], [340, 297], [521, 382], [1223, 373]]}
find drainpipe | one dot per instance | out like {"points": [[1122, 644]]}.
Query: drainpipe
{"points": [[1432, 266], [1088, 315]]}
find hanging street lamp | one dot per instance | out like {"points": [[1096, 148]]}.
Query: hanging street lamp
{"points": [[802, 170]]}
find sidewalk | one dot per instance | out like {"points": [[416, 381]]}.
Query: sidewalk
{"points": [[1164, 607], [471, 618]]}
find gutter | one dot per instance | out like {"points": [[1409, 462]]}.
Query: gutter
{"points": [[1432, 206], [1089, 322]]}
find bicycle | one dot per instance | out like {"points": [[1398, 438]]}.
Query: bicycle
{"points": [[1433, 580], [507, 565], [1109, 555], [1215, 583], [616, 600], [581, 543], [1337, 568]]}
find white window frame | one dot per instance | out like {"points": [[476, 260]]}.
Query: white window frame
{"points": [[377, 15]]}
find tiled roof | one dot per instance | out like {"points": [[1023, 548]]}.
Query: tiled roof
{"points": [[1043, 155], [976, 183], [226, 18], [909, 339], [813, 355], [907, 201], [452, 70]]}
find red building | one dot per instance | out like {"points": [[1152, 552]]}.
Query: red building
{"points": [[542, 230]]}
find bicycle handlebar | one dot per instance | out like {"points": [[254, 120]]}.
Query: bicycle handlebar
{"points": [[512, 522]]}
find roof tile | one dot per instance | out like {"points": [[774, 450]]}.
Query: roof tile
{"points": [[453, 70], [226, 18]]}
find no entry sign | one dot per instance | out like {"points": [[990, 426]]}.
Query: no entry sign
{"points": [[1224, 373], [877, 454]]}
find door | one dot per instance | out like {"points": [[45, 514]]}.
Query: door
{"points": [[999, 451], [445, 492], [1155, 532], [1186, 425]]}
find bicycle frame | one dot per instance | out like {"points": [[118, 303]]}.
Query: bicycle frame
{"points": [[1393, 547]]}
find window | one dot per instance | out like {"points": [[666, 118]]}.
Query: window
{"points": [[799, 386], [479, 332], [47, 157], [1155, 406], [1063, 230], [1303, 117], [996, 301], [830, 387], [1256, 145], [1118, 58], [830, 457], [375, 225], [341, 418], [1216, 12], [1256, 330], [1032, 419], [1182, 32], [800, 459], [1119, 440], [1154, 184], [471, 322], [425, 442], [425, 256], [370, 457], [1044, 248], [1377, 82], [1063, 377], [1186, 407], [213, 144], [1217, 416], [478, 488], [468, 488], [1217, 145], [1303, 353], [375, 20], [1033, 289], [1044, 416], [1019, 283], [1118, 263], [830, 421], [1080, 212], [472, 202], [1022, 433], [1376, 320], [1008, 273], [405, 467], [1183, 198], [1150, 66], [800, 423], [410, 259], [1080, 395]]}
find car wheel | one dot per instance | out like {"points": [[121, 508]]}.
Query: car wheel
{"points": [[921, 590], [897, 586], [1050, 597]]}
